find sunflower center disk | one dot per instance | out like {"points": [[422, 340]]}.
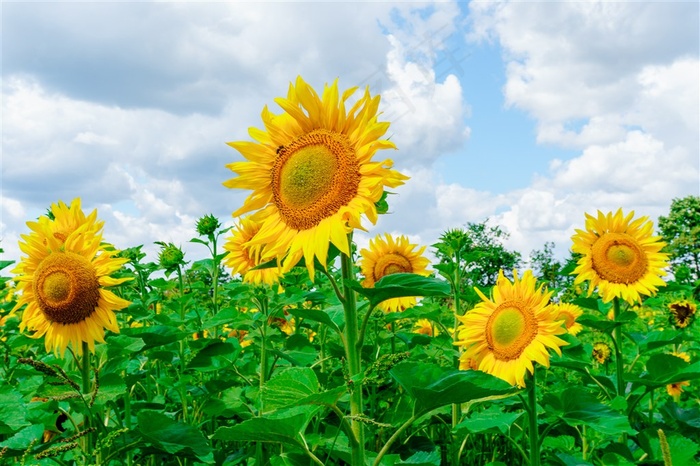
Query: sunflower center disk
{"points": [[313, 177], [509, 330], [391, 263], [618, 258], [66, 288]]}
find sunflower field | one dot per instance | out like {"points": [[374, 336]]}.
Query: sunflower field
{"points": [[291, 345]]}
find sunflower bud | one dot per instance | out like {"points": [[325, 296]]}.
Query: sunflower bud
{"points": [[207, 225], [170, 257]]}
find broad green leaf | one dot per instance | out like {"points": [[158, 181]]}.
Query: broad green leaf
{"points": [[663, 369], [112, 386], [289, 386], [226, 315], [22, 439], [422, 458], [316, 316], [605, 325], [491, 419], [433, 386], [432, 312], [657, 339], [216, 355], [12, 410], [399, 285], [575, 406], [157, 335], [172, 436], [683, 450], [118, 345], [285, 427]]}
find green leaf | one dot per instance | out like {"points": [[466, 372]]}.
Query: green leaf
{"points": [[118, 345], [112, 386], [289, 386], [490, 420], [157, 335], [214, 356], [399, 285], [285, 427], [22, 439], [663, 369], [605, 325], [422, 458], [171, 436], [657, 339], [12, 410], [429, 311], [575, 406], [316, 316], [433, 386]]}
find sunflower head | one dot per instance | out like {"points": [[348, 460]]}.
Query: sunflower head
{"points": [[619, 256], [426, 327], [682, 313], [312, 174], [675, 389], [388, 255], [601, 352], [505, 334], [170, 257], [64, 280], [242, 257], [568, 313]]}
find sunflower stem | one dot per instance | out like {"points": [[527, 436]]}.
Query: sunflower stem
{"points": [[352, 352], [617, 339], [183, 389], [533, 432], [85, 372], [456, 407]]}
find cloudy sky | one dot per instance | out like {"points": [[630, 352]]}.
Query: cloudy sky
{"points": [[526, 113]]}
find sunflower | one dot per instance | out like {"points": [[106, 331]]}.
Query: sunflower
{"points": [[620, 256], [682, 313], [568, 313], [426, 327], [504, 335], [601, 352], [675, 389], [387, 256], [312, 173], [64, 280], [242, 257]]}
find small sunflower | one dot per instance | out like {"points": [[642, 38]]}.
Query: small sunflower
{"points": [[620, 256], [426, 327], [568, 313], [682, 313], [675, 389], [242, 257], [506, 334], [64, 280], [601, 352], [386, 256], [312, 173]]}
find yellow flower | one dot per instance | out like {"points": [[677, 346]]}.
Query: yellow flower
{"points": [[242, 256], [468, 364], [312, 173], [675, 389], [620, 256], [387, 256], [601, 352], [507, 334], [64, 280], [242, 337], [682, 313], [568, 313], [426, 327]]}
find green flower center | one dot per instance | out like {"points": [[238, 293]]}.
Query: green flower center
{"points": [[510, 329], [313, 177], [618, 258], [66, 288]]}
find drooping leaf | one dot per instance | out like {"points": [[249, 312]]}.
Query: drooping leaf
{"points": [[171, 436], [433, 386], [422, 458], [284, 427], [315, 315], [663, 369], [25, 437], [399, 285], [289, 386], [12, 410], [576, 406], [492, 419]]}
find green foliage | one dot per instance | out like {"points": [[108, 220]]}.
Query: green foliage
{"points": [[681, 231]]}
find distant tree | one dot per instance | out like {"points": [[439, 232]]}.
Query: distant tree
{"points": [[556, 274], [681, 230]]}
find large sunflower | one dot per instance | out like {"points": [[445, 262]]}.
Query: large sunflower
{"points": [[620, 256], [64, 277], [387, 256], [312, 173], [242, 257], [505, 334]]}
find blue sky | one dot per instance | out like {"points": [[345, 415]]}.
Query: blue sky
{"points": [[526, 113]]}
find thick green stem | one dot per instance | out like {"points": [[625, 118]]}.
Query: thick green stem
{"points": [[393, 438], [533, 433], [617, 339], [87, 388], [183, 389], [352, 352], [456, 407]]}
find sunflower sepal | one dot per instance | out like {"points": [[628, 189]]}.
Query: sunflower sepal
{"points": [[399, 285]]}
